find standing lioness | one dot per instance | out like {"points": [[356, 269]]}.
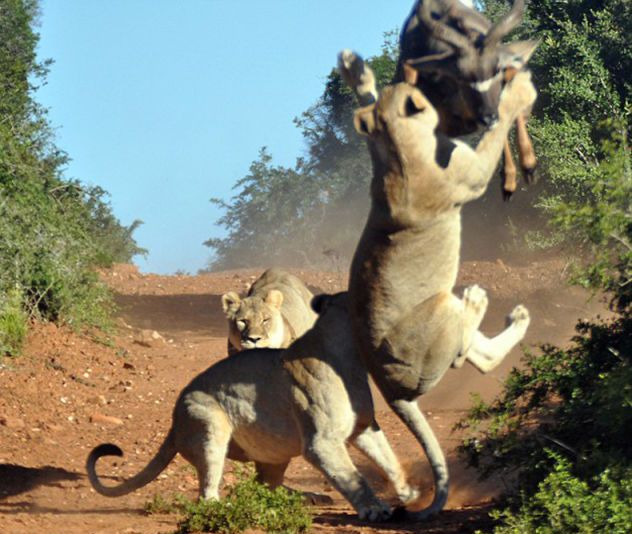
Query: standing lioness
{"points": [[275, 312], [408, 325], [269, 406]]}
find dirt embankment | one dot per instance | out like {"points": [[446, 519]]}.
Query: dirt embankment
{"points": [[69, 393]]}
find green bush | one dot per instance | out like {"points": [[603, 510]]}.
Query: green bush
{"points": [[54, 232], [248, 504], [565, 503], [162, 505], [13, 323]]}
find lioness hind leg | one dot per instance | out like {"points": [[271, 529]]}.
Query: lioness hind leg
{"points": [[333, 460], [474, 307], [413, 418], [487, 353], [373, 443], [271, 474], [205, 446]]}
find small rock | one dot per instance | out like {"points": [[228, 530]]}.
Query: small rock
{"points": [[148, 338], [97, 399], [502, 265], [107, 419], [11, 422]]}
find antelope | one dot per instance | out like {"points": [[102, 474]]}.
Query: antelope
{"points": [[454, 55]]}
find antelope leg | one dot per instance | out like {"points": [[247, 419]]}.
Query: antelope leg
{"points": [[526, 154], [508, 172]]}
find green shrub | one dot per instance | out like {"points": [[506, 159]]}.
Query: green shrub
{"points": [[162, 505], [575, 400], [13, 323], [565, 503], [248, 504], [54, 232]]}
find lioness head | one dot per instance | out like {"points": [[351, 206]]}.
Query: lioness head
{"points": [[400, 104], [254, 322]]}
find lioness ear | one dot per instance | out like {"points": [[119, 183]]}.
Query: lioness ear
{"points": [[274, 298], [319, 303], [230, 303], [364, 120]]}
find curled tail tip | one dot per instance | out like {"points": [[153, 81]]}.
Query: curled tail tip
{"points": [[105, 449]]}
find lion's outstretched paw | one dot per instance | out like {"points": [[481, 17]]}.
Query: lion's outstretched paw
{"points": [[475, 298], [520, 315], [375, 512], [350, 62]]}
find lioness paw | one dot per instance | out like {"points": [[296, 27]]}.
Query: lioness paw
{"points": [[475, 297], [376, 512], [520, 314], [350, 64], [519, 319], [408, 495], [358, 76]]}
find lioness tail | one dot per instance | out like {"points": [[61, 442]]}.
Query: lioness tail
{"points": [[155, 466]]}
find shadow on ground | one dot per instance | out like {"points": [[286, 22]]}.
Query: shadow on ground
{"points": [[174, 314], [462, 521], [17, 479]]}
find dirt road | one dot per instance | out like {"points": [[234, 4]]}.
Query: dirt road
{"points": [[68, 393]]}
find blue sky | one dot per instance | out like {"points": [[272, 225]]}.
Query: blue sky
{"points": [[166, 103]]}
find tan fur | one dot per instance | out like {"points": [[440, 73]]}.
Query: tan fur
{"points": [[275, 312], [408, 325], [269, 406]]}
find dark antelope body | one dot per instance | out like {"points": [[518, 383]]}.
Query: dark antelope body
{"points": [[454, 54]]}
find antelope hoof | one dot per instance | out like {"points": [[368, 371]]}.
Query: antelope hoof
{"points": [[507, 195], [530, 175]]}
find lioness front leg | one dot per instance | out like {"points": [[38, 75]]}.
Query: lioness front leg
{"points": [[358, 76], [373, 443], [333, 460]]}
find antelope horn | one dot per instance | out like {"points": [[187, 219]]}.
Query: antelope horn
{"points": [[505, 24], [441, 31]]}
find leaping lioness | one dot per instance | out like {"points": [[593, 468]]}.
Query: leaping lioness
{"points": [[408, 326]]}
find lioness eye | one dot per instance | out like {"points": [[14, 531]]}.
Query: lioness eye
{"points": [[266, 321]]}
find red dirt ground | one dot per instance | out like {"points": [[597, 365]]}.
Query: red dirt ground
{"points": [[53, 400]]}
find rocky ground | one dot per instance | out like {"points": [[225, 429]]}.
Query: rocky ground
{"points": [[68, 393]]}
